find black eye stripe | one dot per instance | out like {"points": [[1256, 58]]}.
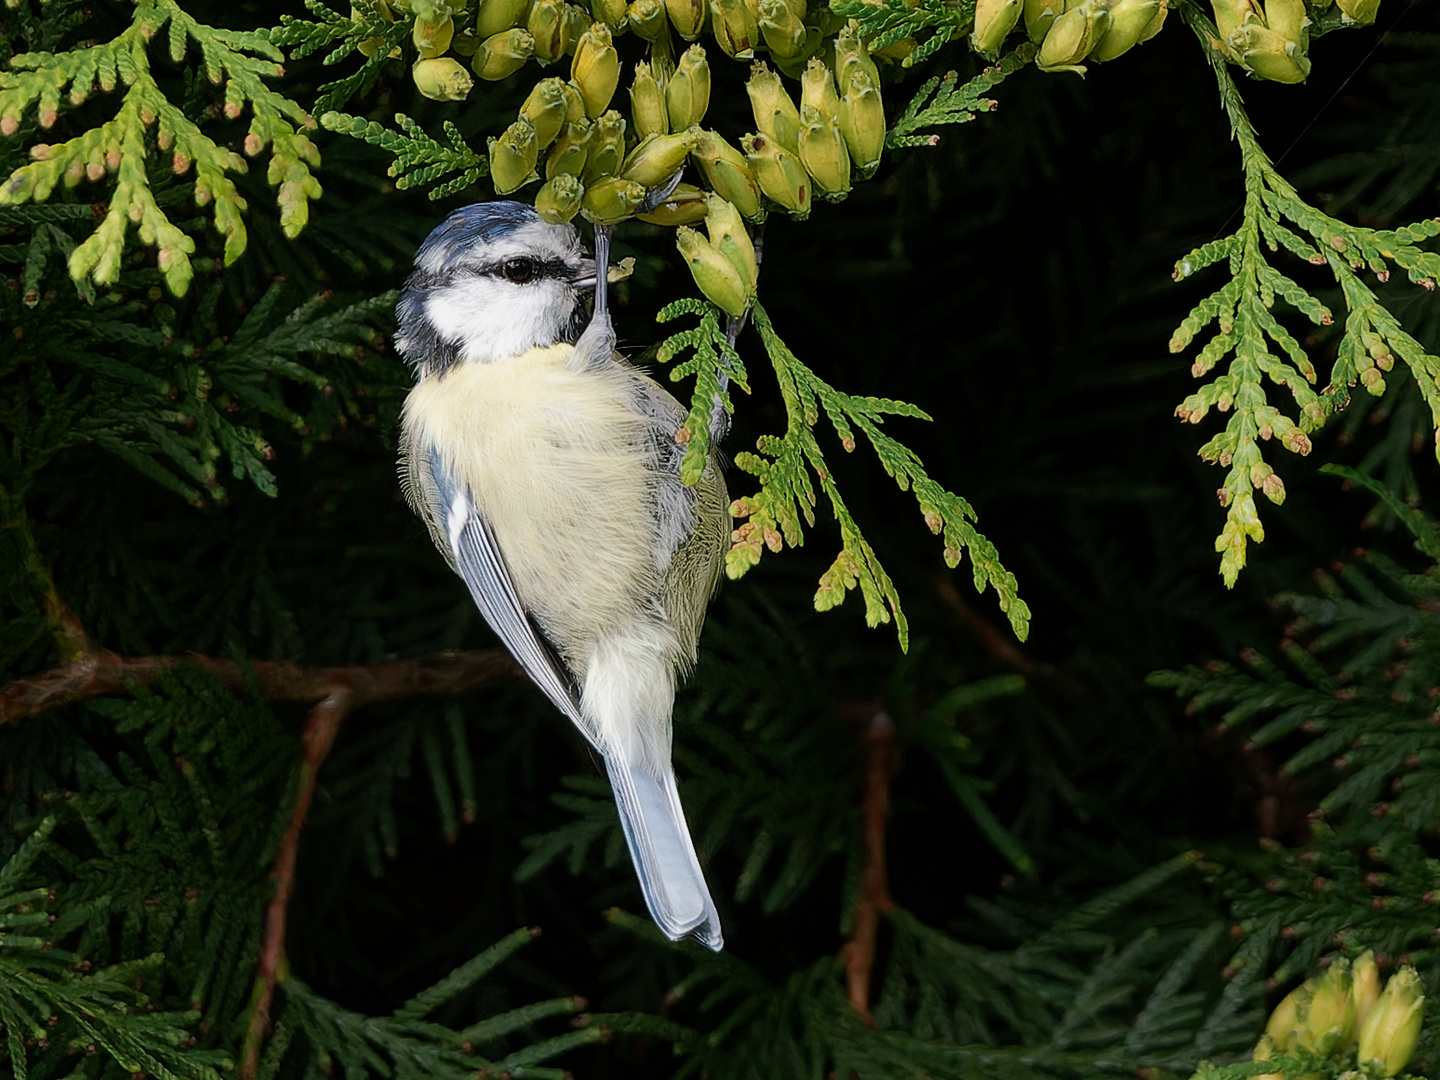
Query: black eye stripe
{"points": [[559, 269], [540, 268]]}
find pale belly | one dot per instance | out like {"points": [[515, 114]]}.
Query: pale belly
{"points": [[558, 464]]}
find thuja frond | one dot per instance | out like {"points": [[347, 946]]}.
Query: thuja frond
{"points": [[944, 100], [1349, 703], [407, 1046], [1261, 348], [240, 61], [371, 29], [885, 22], [785, 504], [133, 380], [145, 879], [419, 159], [713, 357]]}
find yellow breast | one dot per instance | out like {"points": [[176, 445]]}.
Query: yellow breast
{"points": [[557, 461]]}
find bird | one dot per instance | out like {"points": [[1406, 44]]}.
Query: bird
{"points": [[547, 470]]}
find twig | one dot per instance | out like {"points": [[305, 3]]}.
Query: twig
{"points": [[1001, 645], [100, 672], [858, 953], [321, 726], [69, 635]]}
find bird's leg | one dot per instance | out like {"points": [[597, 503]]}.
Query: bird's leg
{"points": [[597, 343], [602, 272]]}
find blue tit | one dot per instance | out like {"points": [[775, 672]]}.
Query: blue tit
{"points": [[547, 471]]}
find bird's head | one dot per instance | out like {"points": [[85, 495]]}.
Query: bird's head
{"points": [[491, 281]]}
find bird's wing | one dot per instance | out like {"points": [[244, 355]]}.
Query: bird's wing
{"points": [[477, 559]]}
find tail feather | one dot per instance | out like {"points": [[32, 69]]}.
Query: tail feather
{"points": [[659, 841]]}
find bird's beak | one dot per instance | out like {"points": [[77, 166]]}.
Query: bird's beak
{"points": [[584, 279]]}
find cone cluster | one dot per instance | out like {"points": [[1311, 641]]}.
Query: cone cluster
{"points": [[819, 116], [1068, 32], [1345, 1012], [1270, 39]]}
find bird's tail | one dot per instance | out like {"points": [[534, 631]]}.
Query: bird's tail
{"points": [[659, 841]]}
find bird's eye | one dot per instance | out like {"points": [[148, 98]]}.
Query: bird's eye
{"points": [[519, 270]]}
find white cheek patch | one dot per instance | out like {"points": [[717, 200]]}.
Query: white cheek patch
{"points": [[491, 319]]}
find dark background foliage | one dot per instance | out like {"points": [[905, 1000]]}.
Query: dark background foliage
{"points": [[1014, 281]]}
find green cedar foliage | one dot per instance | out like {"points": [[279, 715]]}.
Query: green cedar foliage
{"points": [[1052, 919]]}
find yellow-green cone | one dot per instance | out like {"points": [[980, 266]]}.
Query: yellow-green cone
{"points": [[546, 108], [735, 28], [611, 200], [657, 157], [513, 156], [1390, 1033], [1328, 1022], [496, 16], [647, 18], [1268, 55], [501, 55], [647, 103], [684, 206], [370, 46], [1364, 986], [549, 25], [1128, 22], [1288, 18], [852, 56], [1073, 35], [728, 235], [687, 16], [687, 94], [1285, 1022], [432, 36], [607, 148], [817, 89], [774, 109], [862, 123], [713, 272], [784, 34], [728, 172], [574, 103], [1360, 12], [823, 152], [994, 19], [610, 12], [577, 21], [442, 78], [596, 69], [1231, 15], [558, 199], [571, 150], [1156, 23], [1040, 15], [780, 174]]}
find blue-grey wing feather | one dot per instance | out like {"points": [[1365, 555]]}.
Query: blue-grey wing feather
{"points": [[478, 561]]}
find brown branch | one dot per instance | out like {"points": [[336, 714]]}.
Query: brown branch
{"points": [[100, 672], [336, 691], [858, 953], [69, 635], [321, 727]]}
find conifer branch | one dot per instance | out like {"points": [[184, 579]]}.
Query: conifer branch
{"points": [[102, 672], [241, 61], [874, 900], [1262, 352]]}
